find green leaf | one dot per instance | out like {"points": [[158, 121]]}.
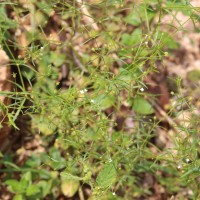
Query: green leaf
{"points": [[26, 179], [124, 77], [58, 164], [27, 72], [168, 40], [142, 106], [91, 134], [141, 14], [133, 19], [6, 22], [132, 39], [45, 7], [104, 101], [34, 161], [45, 187], [107, 175], [68, 176], [56, 160], [178, 5], [57, 59], [18, 197], [32, 190], [69, 187], [15, 186]]}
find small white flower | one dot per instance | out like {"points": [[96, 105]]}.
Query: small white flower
{"points": [[146, 43], [92, 100], [187, 160], [142, 89], [110, 160], [179, 166], [82, 91], [113, 194]]}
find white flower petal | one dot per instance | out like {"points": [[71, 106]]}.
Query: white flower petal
{"points": [[142, 89]]}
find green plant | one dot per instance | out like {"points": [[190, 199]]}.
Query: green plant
{"points": [[80, 72]]}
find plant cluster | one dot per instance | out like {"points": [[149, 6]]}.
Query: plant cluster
{"points": [[80, 71]]}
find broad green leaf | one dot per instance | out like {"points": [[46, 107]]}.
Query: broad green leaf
{"points": [[142, 106], [18, 197], [57, 59], [32, 190], [56, 160], [57, 164], [45, 187], [15, 186], [34, 161], [133, 19], [168, 40], [69, 187], [68, 176], [26, 179], [124, 77], [132, 39], [104, 101], [146, 12], [141, 14], [107, 176], [91, 134]]}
